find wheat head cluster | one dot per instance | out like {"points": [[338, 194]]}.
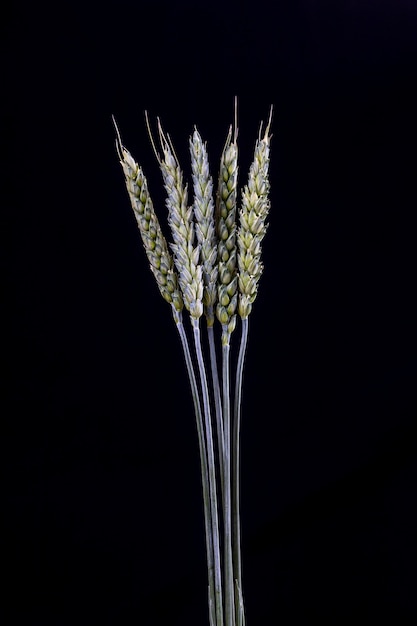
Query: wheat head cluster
{"points": [[211, 270]]}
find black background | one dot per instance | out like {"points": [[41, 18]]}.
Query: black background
{"points": [[101, 495]]}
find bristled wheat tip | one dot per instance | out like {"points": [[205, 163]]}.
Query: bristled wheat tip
{"points": [[203, 209], [252, 226], [154, 242]]}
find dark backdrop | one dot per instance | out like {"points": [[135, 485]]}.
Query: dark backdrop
{"points": [[101, 488]]}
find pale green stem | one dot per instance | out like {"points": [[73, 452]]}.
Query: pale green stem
{"points": [[211, 475], [237, 557], [217, 403], [212, 608], [203, 457], [240, 621], [227, 510]]}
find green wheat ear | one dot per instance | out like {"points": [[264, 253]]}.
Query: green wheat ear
{"points": [[154, 242], [252, 223], [180, 219], [203, 209], [226, 232]]}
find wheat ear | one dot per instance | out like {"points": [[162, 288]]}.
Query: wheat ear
{"points": [[180, 219], [226, 231], [252, 227], [203, 209], [251, 231], [154, 242]]}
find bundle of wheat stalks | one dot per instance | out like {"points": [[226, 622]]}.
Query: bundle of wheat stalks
{"points": [[212, 268]]}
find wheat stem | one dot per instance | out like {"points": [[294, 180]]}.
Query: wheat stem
{"points": [[211, 474], [217, 403], [203, 458], [237, 556], [227, 505], [240, 620]]}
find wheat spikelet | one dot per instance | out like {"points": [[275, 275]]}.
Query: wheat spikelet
{"points": [[226, 231], [154, 242], [203, 209], [252, 226], [180, 219]]}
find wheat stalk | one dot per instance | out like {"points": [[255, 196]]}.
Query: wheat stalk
{"points": [[251, 231], [226, 314]]}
